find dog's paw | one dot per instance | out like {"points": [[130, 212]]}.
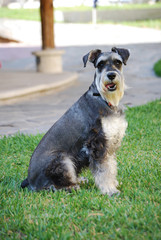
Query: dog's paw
{"points": [[116, 192], [110, 191], [71, 188]]}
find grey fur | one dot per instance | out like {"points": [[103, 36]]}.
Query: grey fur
{"points": [[80, 139]]}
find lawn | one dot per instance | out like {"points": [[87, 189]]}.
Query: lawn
{"points": [[86, 214], [149, 23], [22, 14], [155, 23]]}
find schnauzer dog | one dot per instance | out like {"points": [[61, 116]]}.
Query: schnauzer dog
{"points": [[88, 134]]}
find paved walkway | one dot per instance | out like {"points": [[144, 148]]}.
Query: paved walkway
{"points": [[79, 34], [37, 112]]}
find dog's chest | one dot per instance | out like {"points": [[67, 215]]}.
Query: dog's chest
{"points": [[114, 128]]}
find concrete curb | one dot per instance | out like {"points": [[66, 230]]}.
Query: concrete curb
{"points": [[17, 84]]}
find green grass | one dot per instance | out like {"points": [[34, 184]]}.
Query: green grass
{"points": [[157, 68], [86, 214], [155, 23], [23, 14]]}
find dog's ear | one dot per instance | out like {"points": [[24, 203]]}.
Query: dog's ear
{"points": [[91, 56], [124, 53]]}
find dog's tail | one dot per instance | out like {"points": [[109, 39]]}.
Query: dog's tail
{"points": [[25, 183]]}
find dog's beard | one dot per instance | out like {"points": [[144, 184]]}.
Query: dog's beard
{"points": [[111, 91]]}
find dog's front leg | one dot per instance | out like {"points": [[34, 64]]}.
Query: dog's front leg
{"points": [[105, 175]]}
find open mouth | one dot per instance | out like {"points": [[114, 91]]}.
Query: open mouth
{"points": [[111, 87]]}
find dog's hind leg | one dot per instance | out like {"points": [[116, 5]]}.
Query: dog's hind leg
{"points": [[62, 172]]}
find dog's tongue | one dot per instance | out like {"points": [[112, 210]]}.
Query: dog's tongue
{"points": [[110, 85]]}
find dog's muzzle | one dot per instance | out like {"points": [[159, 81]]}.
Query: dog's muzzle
{"points": [[110, 85]]}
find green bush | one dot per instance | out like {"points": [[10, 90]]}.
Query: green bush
{"points": [[157, 68]]}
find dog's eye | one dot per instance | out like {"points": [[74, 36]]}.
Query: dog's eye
{"points": [[117, 63], [101, 64]]}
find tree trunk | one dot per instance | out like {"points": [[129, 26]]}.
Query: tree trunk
{"points": [[47, 23]]}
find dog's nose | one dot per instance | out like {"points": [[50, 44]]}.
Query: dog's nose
{"points": [[111, 76]]}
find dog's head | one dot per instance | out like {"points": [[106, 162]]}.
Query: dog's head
{"points": [[109, 72]]}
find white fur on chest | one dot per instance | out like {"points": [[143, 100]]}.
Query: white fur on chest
{"points": [[114, 128]]}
